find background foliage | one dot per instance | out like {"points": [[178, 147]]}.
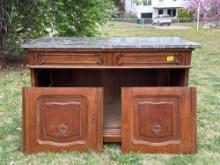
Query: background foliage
{"points": [[184, 13], [25, 19], [209, 9]]}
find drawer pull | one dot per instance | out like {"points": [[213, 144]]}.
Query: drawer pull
{"points": [[156, 128], [62, 128], [100, 59]]}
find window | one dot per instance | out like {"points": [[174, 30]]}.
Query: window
{"points": [[169, 12], [160, 12], [174, 13], [146, 2], [146, 15]]}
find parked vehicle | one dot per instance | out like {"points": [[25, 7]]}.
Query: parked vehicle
{"points": [[162, 20], [209, 25]]}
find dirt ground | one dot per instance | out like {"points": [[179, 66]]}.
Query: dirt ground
{"points": [[12, 62]]}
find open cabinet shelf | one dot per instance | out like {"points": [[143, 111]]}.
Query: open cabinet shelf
{"points": [[112, 81]]}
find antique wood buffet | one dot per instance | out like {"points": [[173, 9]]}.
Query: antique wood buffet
{"points": [[86, 91]]}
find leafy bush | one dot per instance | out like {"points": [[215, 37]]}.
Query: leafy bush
{"points": [[184, 13]]}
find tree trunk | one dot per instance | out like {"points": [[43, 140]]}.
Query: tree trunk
{"points": [[5, 8]]}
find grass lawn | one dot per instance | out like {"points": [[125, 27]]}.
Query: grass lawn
{"points": [[205, 74]]}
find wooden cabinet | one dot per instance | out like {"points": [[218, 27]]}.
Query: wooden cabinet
{"points": [[89, 91], [62, 119]]}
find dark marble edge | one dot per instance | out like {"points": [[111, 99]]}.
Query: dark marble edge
{"points": [[109, 43]]}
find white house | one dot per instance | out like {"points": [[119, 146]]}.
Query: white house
{"points": [[152, 8]]}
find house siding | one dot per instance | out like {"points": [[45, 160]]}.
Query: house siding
{"points": [[130, 6]]}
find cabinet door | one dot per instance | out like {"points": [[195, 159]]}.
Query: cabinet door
{"points": [[159, 119], [62, 119]]}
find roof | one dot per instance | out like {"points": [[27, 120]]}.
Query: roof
{"points": [[164, 5]]}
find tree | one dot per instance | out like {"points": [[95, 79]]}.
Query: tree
{"points": [[4, 20], [120, 4], [19, 20], [209, 9], [79, 17], [25, 19]]}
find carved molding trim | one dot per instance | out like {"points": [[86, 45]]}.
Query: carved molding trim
{"points": [[178, 58], [100, 58], [118, 56], [40, 58]]}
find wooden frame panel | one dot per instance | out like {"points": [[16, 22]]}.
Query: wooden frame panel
{"points": [[67, 58], [62, 119], [148, 131], [150, 58]]}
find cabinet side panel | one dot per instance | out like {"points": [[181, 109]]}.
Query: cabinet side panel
{"points": [[34, 78], [125, 124], [193, 118], [100, 119], [24, 105]]}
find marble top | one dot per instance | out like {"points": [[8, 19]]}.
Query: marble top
{"points": [[109, 43]]}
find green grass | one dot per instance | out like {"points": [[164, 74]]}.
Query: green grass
{"points": [[205, 74]]}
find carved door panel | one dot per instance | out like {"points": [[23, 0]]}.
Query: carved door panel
{"points": [[159, 119], [57, 119]]}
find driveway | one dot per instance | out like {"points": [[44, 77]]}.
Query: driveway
{"points": [[172, 27]]}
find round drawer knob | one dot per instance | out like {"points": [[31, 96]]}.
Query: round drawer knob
{"points": [[156, 128], [62, 128]]}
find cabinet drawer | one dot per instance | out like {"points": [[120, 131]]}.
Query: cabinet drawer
{"points": [[150, 59], [58, 119], [159, 119], [67, 58]]}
